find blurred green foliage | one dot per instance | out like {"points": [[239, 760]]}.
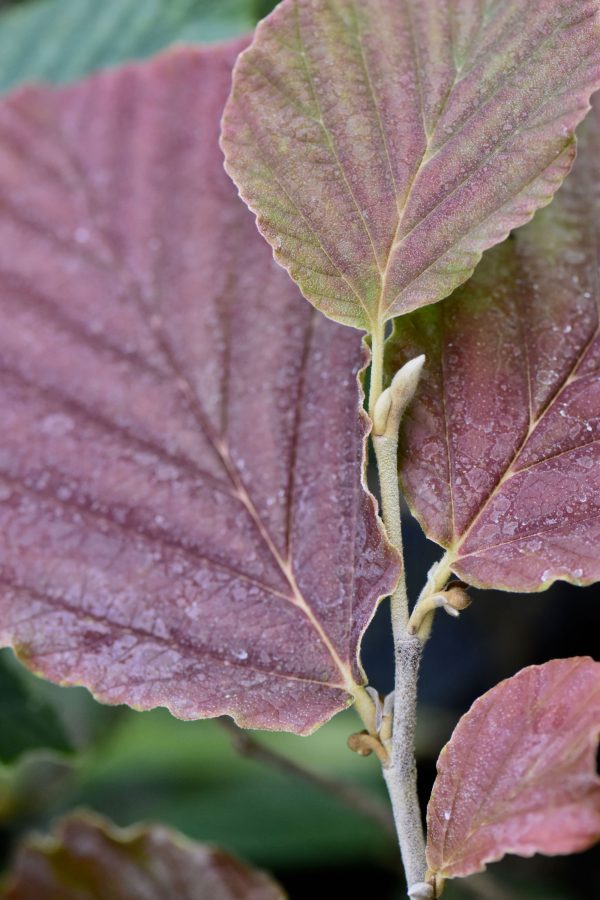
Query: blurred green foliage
{"points": [[60, 40], [27, 721], [135, 766]]}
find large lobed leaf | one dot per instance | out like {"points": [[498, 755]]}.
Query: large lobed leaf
{"points": [[501, 450], [182, 520], [88, 857], [385, 144], [519, 773]]}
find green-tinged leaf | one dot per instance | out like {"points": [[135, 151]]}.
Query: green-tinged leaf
{"points": [[385, 144], [26, 721], [500, 456], [60, 40], [87, 857]]}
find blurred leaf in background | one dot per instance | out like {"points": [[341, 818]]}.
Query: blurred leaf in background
{"points": [[150, 766], [194, 781], [186, 775], [61, 40], [86, 856], [27, 721]]}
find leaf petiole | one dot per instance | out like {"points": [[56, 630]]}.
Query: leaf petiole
{"points": [[421, 618], [376, 370]]}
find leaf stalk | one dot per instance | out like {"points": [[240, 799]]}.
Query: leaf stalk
{"points": [[432, 597], [376, 371]]}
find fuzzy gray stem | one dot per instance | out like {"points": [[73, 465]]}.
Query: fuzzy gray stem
{"points": [[401, 774]]}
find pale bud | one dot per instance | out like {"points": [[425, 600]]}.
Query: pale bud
{"points": [[392, 402], [382, 411]]}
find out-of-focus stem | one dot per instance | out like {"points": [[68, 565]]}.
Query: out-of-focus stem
{"points": [[352, 796]]}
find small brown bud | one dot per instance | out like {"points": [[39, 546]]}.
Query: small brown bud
{"points": [[364, 744], [457, 597]]}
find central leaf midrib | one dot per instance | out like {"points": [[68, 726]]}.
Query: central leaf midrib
{"points": [[190, 395], [296, 598], [403, 203]]}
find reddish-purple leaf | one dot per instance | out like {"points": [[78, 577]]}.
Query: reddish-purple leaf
{"points": [[501, 450], [385, 144], [519, 773], [183, 518], [89, 857]]}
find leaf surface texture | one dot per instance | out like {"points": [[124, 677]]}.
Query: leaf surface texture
{"points": [[519, 773], [500, 455], [183, 517]]}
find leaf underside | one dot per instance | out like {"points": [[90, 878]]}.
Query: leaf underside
{"points": [[385, 144], [500, 457], [183, 521], [519, 773], [87, 854]]}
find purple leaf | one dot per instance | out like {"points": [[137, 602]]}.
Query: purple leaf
{"points": [[501, 450], [183, 517], [87, 854], [385, 144], [519, 773]]}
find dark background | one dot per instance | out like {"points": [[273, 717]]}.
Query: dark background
{"points": [[148, 766]]}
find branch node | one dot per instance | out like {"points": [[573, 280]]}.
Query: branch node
{"points": [[381, 412], [375, 697], [437, 881], [431, 889]]}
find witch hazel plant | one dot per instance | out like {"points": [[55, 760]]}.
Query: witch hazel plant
{"points": [[185, 515]]}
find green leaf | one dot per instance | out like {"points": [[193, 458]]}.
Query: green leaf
{"points": [[60, 40], [26, 721]]}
